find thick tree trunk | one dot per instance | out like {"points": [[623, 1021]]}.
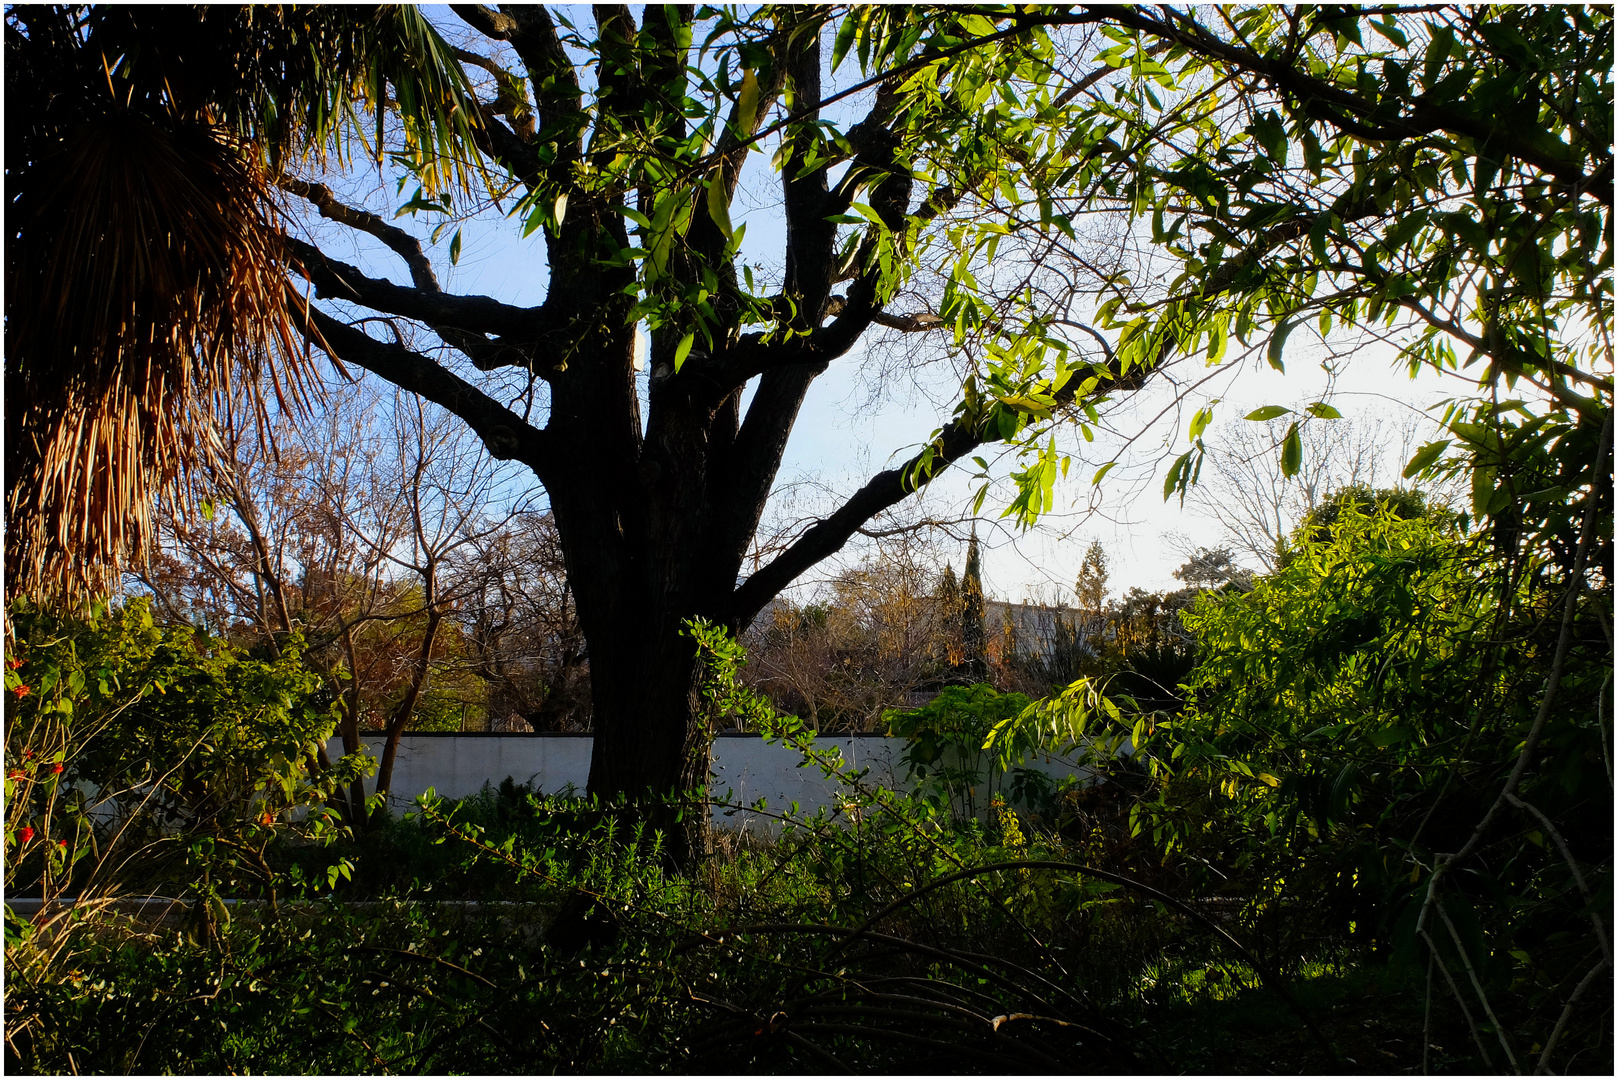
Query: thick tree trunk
{"points": [[644, 563], [652, 737], [656, 512]]}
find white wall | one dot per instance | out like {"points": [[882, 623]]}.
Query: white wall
{"points": [[745, 766]]}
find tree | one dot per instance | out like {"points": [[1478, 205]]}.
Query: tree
{"points": [[1092, 583], [1245, 487], [356, 538], [1285, 164], [1210, 568], [1355, 714], [145, 269], [973, 637], [874, 639], [522, 628], [1363, 499], [630, 171], [951, 611]]}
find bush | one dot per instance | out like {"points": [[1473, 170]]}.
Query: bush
{"points": [[149, 759]]}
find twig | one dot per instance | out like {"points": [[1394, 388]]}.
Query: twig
{"points": [[1427, 1017], [1567, 1012], [1552, 683], [1432, 952], [1573, 866], [1471, 973]]}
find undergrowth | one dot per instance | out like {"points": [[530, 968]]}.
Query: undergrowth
{"points": [[826, 947]]}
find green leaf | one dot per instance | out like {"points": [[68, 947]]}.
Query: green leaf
{"points": [[747, 104], [683, 350], [1103, 471], [719, 203], [868, 214], [1268, 412], [1291, 452], [455, 248], [1425, 457], [1324, 412], [845, 38], [1178, 473], [1200, 422], [1278, 341]]}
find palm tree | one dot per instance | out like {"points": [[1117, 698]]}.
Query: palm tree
{"points": [[145, 271]]}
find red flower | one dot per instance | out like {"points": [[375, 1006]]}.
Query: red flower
{"points": [[22, 690], [62, 844], [25, 834], [57, 767], [14, 664], [16, 774]]}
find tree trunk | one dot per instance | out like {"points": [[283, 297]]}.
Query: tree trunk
{"points": [[642, 565], [652, 738]]}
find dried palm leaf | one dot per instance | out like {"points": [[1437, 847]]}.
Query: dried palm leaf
{"points": [[146, 275], [151, 278]]}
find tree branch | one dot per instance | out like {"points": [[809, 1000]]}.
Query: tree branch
{"points": [[551, 79], [502, 431], [826, 537], [1423, 118], [406, 246], [477, 314]]}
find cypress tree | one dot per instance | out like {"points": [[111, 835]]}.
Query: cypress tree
{"points": [[949, 615], [973, 665]]}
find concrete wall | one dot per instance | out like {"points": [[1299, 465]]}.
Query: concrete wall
{"points": [[744, 766]]}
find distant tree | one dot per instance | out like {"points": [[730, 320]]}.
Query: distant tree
{"points": [[877, 637], [1245, 488], [1406, 504], [973, 633], [522, 631], [1092, 583], [354, 534], [1211, 568], [951, 611]]}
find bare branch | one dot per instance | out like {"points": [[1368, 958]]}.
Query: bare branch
{"points": [[503, 432], [406, 246], [479, 314]]}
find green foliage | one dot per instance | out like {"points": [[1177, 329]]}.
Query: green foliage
{"points": [[946, 757], [1351, 653], [895, 939], [141, 758], [721, 658], [1356, 713], [160, 732], [1403, 503]]}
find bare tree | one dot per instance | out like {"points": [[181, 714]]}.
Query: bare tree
{"points": [[1244, 488], [875, 638], [522, 628], [349, 535]]}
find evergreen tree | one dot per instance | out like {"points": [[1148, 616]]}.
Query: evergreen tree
{"points": [[973, 665], [1092, 583], [949, 608]]}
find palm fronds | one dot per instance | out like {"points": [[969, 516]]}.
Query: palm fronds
{"points": [[146, 275], [149, 276]]}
